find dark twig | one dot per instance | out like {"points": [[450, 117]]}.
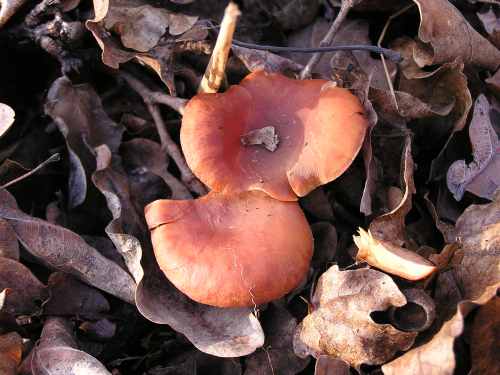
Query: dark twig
{"points": [[152, 99], [389, 53], [327, 40], [52, 158]]}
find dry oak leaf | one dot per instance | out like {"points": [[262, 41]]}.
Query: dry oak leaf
{"points": [[64, 250], [494, 83], [11, 350], [447, 37], [477, 263], [437, 357], [9, 246], [7, 116], [8, 8], [485, 339], [480, 176], [23, 289], [340, 323], [57, 352], [491, 23]]}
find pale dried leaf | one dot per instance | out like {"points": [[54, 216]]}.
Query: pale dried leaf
{"points": [[77, 111], [482, 171], [64, 250], [264, 60], [7, 114], [485, 339], [24, 290], [340, 324], [57, 353], [491, 23], [8, 8], [437, 355], [9, 247], [494, 83], [477, 263], [70, 297], [447, 37]]}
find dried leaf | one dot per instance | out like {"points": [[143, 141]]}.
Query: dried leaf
{"points": [[70, 297], [9, 247], [11, 350], [326, 365], [219, 332], [7, 114], [23, 290], [485, 338], [58, 353], [277, 354], [64, 250], [77, 111], [448, 37], [391, 226], [437, 355], [325, 243], [494, 83], [7, 9], [340, 323], [101, 330], [482, 172], [477, 263], [491, 23], [264, 60]]}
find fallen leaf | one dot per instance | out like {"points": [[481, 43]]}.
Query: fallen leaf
{"points": [[141, 153], [9, 247], [50, 244], [448, 37], [316, 203], [11, 350], [8, 8], [485, 152], [491, 23], [437, 356], [277, 356], [341, 325], [485, 339], [477, 263], [219, 332], [264, 60], [325, 244], [7, 114], [24, 292], [100, 330], [494, 83], [57, 352], [391, 226], [77, 111], [326, 365], [70, 297]]}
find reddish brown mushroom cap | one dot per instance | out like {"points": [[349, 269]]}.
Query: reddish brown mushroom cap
{"points": [[231, 250], [320, 130]]}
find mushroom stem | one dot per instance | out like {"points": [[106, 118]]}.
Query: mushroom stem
{"points": [[214, 73], [265, 136], [327, 40]]}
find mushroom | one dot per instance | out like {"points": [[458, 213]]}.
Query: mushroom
{"points": [[232, 250], [271, 133]]}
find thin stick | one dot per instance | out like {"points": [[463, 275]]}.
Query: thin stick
{"points": [[174, 151], [177, 104], [390, 54], [214, 74], [52, 158], [379, 43], [327, 40]]}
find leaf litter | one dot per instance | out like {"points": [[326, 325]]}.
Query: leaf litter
{"points": [[405, 272]]}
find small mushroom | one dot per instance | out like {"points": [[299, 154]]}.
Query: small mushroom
{"points": [[231, 250], [271, 133]]}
